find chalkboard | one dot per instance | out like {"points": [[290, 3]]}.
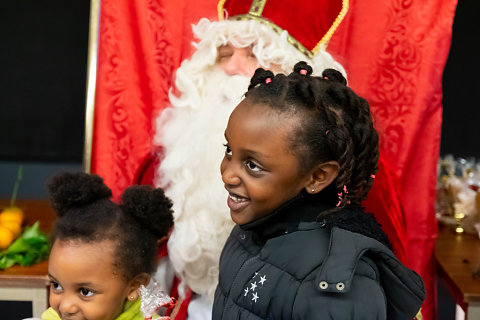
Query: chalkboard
{"points": [[461, 85], [43, 59]]}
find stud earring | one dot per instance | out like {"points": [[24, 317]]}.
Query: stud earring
{"points": [[313, 190], [132, 298]]}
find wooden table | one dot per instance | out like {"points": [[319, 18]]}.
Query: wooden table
{"points": [[29, 283], [458, 264]]}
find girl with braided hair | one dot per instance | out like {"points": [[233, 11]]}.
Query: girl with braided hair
{"points": [[103, 252], [301, 154]]}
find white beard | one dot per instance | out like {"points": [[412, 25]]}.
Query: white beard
{"points": [[192, 134]]}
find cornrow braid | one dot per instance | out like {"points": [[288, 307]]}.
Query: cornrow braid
{"points": [[340, 136], [336, 124], [366, 140]]}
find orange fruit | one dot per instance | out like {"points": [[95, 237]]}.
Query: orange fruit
{"points": [[11, 214], [12, 226], [6, 237]]}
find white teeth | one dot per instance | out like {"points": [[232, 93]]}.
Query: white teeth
{"points": [[235, 198]]}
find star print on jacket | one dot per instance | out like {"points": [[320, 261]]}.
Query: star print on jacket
{"points": [[254, 286]]}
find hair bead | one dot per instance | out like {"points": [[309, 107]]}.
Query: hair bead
{"points": [[303, 68]]}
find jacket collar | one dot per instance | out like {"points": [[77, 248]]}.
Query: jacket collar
{"points": [[304, 207]]}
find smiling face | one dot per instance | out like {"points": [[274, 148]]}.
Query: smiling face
{"points": [[83, 282], [259, 169]]}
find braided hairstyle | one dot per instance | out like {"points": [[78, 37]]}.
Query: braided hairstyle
{"points": [[85, 213], [336, 124]]}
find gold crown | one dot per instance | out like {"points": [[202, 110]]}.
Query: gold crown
{"points": [[310, 24]]}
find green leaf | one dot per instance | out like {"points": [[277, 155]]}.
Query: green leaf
{"points": [[30, 248]]}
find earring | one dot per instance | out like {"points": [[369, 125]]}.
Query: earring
{"points": [[132, 298], [313, 190]]}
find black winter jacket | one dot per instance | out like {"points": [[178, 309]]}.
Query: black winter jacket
{"points": [[288, 265]]}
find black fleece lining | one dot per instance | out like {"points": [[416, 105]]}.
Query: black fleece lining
{"points": [[353, 218], [306, 207]]}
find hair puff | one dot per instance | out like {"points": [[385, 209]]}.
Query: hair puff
{"points": [[259, 77], [69, 190], [302, 65], [150, 208], [334, 75]]}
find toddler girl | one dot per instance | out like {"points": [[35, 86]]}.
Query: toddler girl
{"points": [[301, 155], [102, 252]]}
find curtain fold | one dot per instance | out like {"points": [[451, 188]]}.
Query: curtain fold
{"points": [[394, 53], [141, 44]]}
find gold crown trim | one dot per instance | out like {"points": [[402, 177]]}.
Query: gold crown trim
{"points": [[322, 44], [220, 4], [256, 9]]}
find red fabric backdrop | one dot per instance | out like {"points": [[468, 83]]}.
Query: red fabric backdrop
{"points": [[141, 43], [394, 52]]}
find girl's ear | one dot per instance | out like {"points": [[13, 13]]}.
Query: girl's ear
{"points": [[135, 283], [322, 176]]}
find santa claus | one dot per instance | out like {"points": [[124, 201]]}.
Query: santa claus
{"points": [[189, 133]]}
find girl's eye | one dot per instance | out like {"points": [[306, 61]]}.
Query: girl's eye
{"points": [[252, 166], [55, 286], [86, 292], [228, 151]]}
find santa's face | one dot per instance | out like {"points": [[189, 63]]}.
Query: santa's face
{"points": [[239, 61]]}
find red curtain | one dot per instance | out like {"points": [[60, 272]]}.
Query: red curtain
{"points": [[394, 53], [141, 43]]}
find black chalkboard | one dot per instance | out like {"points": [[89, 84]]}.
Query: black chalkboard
{"points": [[16, 309], [461, 85], [43, 67]]}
